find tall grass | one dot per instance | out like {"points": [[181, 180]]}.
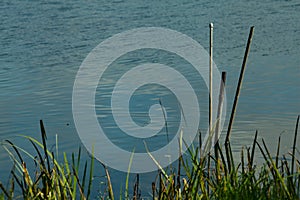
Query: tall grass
{"points": [[196, 177]]}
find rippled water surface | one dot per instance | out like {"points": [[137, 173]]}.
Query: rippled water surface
{"points": [[44, 43]]}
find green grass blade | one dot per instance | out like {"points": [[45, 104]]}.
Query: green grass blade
{"points": [[91, 174], [294, 144], [128, 173]]}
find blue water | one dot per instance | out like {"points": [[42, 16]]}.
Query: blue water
{"points": [[44, 43]]}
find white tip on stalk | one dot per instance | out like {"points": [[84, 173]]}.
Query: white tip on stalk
{"points": [[211, 25]]}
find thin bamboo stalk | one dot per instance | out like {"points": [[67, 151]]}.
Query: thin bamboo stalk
{"points": [[239, 86], [217, 130], [220, 106], [211, 29]]}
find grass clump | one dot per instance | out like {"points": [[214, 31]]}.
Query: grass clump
{"points": [[50, 179]]}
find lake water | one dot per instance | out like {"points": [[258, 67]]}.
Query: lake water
{"points": [[44, 43]]}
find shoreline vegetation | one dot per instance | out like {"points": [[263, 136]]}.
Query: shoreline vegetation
{"points": [[199, 174], [215, 175]]}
